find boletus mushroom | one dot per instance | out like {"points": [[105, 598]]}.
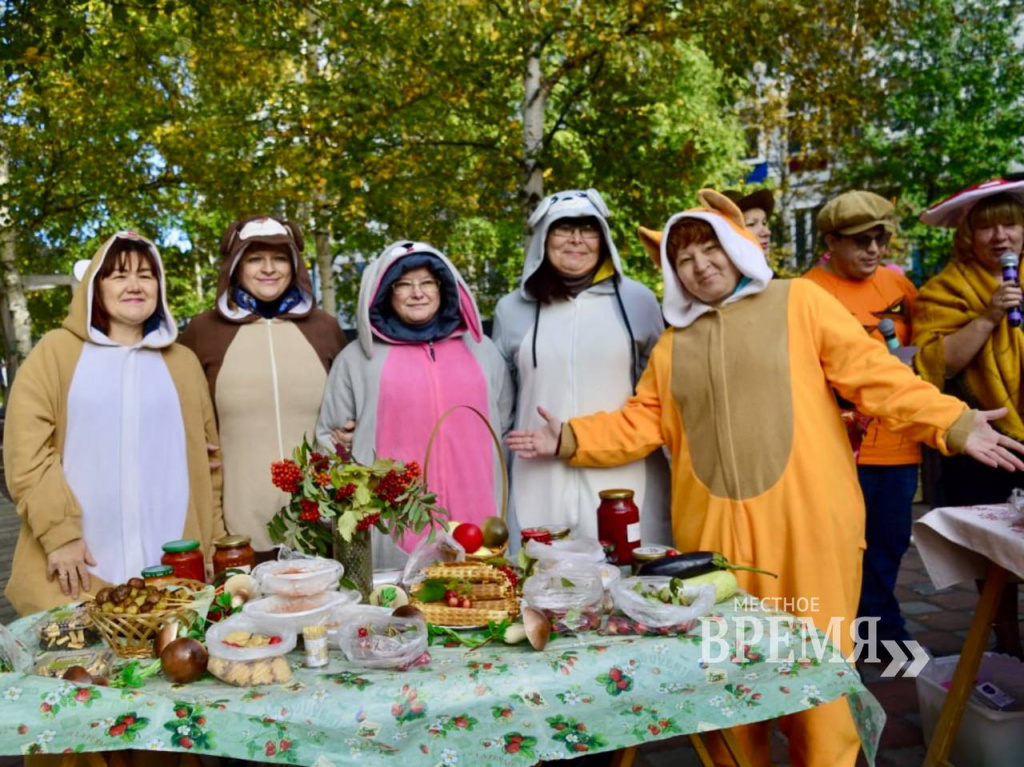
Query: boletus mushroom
{"points": [[183, 660], [538, 627]]}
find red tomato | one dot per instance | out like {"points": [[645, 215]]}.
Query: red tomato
{"points": [[469, 536]]}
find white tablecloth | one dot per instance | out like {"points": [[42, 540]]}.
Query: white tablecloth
{"points": [[958, 542]]}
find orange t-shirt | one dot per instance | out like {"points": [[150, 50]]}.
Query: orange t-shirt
{"points": [[886, 293]]}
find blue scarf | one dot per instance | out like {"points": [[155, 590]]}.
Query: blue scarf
{"points": [[267, 309]]}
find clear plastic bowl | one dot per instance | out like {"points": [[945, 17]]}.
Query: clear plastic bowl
{"points": [[295, 613], [298, 577]]}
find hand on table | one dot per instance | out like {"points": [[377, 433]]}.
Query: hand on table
{"points": [[533, 443], [67, 564], [991, 448]]}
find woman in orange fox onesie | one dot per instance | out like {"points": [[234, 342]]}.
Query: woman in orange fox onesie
{"points": [[740, 390]]}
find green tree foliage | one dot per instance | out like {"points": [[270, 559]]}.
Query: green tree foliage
{"points": [[948, 111]]}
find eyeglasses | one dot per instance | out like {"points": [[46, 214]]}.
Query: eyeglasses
{"points": [[408, 287], [586, 231], [863, 241]]}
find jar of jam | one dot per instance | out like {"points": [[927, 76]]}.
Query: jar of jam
{"points": [[233, 552], [618, 523], [157, 575], [644, 554], [186, 559]]}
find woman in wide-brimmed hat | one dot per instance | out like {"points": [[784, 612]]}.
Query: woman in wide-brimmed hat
{"points": [[970, 348]]}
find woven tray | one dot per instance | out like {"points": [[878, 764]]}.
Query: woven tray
{"points": [[493, 596], [131, 636]]}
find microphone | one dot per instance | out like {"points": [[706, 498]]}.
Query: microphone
{"points": [[888, 330], [1009, 263]]}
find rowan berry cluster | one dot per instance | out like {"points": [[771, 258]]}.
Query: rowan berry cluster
{"points": [[286, 475]]}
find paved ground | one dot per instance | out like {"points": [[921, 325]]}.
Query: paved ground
{"points": [[937, 619]]}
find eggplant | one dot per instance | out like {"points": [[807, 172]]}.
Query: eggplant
{"points": [[693, 564]]}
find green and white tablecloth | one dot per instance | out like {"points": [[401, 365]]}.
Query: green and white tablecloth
{"points": [[494, 705]]}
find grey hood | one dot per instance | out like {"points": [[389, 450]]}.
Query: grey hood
{"points": [[573, 203]]}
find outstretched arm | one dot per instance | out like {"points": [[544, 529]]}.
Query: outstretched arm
{"points": [[536, 443], [986, 445]]}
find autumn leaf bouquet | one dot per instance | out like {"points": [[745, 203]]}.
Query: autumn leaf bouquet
{"points": [[331, 490]]}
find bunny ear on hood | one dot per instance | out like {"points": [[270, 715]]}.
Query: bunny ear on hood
{"points": [[679, 306]]}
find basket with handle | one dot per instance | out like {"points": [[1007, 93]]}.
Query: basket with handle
{"points": [[131, 636], [492, 593], [484, 553]]}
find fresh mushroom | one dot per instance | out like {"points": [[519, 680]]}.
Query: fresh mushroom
{"points": [[538, 627]]}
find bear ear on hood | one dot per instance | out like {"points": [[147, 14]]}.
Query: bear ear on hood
{"points": [[300, 242], [719, 203], [651, 240], [229, 236]]}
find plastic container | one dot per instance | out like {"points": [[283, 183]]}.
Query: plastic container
{"points": [[294, 614], [248, 666], [987, 737], [298, 577]]}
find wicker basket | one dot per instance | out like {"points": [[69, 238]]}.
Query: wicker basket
{"points": [[493, 597], [483, 554], [131, 636]]}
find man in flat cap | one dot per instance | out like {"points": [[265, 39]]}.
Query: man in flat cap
{"points": [[857, 226]]}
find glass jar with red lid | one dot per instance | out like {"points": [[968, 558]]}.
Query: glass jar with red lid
{"points": [[186, 559], [233, 552], [618, 523]]}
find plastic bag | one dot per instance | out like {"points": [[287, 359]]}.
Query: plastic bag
{"points": [[582, 550], [569, 593], [372, 637], [646, 615], [443, 548], [14, 656]]}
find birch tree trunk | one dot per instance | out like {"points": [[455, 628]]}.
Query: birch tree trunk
{"points": [[16, 348], [322, 212], [534, 102]]}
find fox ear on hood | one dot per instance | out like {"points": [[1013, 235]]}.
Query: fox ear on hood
{"points": [[719, 203], [651, 240]]}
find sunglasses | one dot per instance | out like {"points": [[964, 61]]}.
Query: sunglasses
{"points": [[863, 241]]}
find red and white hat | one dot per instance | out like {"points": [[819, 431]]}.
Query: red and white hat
{"points": [[951, 211]]}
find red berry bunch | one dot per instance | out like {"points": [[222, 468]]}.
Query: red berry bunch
{"points": [[344, 492], [367, 522], [343, 453], [286, 475], [412, 472], [323, 479], [310, 510], [391, 486], [510, 573]]}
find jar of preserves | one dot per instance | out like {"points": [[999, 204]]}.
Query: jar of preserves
{"points": [[157, 575], [186, 559], [618, 523], [644, 554], [233, 552]]}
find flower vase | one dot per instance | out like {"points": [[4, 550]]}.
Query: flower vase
{"points": [[357, 557]]}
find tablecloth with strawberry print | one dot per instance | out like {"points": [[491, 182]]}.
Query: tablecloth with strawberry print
{"points": [[498, 704]]}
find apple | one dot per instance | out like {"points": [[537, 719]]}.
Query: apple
{"points": [[469, 536]]}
